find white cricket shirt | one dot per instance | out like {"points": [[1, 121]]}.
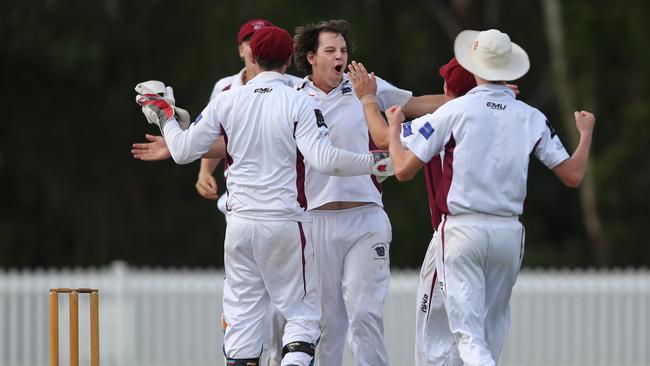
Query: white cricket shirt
{"points": [[268, 127], [343, 113], [487, 137]]}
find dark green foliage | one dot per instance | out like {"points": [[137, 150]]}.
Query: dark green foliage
{"points": [[70, 193]]}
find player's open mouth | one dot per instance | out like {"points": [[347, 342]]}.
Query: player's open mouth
{"points": [[338, 68]]}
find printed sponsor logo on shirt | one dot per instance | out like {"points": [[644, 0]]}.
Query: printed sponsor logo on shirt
{"points": [[426, 130], [551, 129], [497, 106], [262, 90], [406, 129], [320, 120]]}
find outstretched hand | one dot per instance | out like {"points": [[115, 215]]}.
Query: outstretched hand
{"points": [[155, 149], [364, 84]]}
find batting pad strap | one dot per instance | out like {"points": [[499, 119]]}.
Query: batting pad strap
{"points": [[242, 361], [298, 346]]}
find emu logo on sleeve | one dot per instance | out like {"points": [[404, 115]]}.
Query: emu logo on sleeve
{"points": [[320, 120], [426, 130], [262, 90], [551, 129]]}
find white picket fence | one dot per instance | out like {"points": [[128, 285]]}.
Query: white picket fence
{"points": [[171, 317]]}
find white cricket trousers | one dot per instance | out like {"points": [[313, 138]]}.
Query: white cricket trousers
{"points": [[269, 262], [478, 258], [352, 248], [434, 343]]}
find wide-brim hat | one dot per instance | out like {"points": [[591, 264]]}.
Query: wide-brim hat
{"points": [[491, 55]]}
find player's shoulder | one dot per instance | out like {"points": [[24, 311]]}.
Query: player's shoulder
{"points": [[528, 110], [458, 105], [294, 81], [225, 82]]}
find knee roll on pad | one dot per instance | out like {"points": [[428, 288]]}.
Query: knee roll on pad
{"points": [[298, 346], [242, 361]]}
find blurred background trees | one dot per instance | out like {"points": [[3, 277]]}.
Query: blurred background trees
{"points": [[71, 194]]}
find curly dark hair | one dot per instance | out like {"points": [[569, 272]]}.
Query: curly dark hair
{"points": [[306, 40]]}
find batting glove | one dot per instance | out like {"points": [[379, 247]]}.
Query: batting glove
{"points": [[158, 104], [383, 166]]}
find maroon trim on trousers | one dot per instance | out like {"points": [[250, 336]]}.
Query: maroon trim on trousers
{"points": [[373, 146], [447, 175], [433, 175], [300, 174], [303, 243], [442, 239]]}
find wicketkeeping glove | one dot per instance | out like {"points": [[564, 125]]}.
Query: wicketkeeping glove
{"points": [[383, 166], [158, 104]]}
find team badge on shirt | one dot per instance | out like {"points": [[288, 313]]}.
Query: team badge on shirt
{"points": [[406, 129], [346, 89], [426, 130], [380, 251]]}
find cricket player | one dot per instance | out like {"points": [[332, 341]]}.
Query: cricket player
{"points": [[206, 185], [351, 231], [268, 128], [434, 343], [486, 138]]}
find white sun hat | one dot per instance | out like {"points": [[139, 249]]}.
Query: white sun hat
{"points": [[491, 55]]}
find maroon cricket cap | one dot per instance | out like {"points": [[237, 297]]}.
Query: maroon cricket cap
{"points": [[272, 44], [251, 27], [459, 81]]}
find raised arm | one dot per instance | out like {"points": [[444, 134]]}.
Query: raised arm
{"points": [[365, 87], [572, 171], [423, 104]]}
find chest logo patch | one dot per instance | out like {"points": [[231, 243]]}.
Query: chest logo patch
{"points": [[262, 90]]}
